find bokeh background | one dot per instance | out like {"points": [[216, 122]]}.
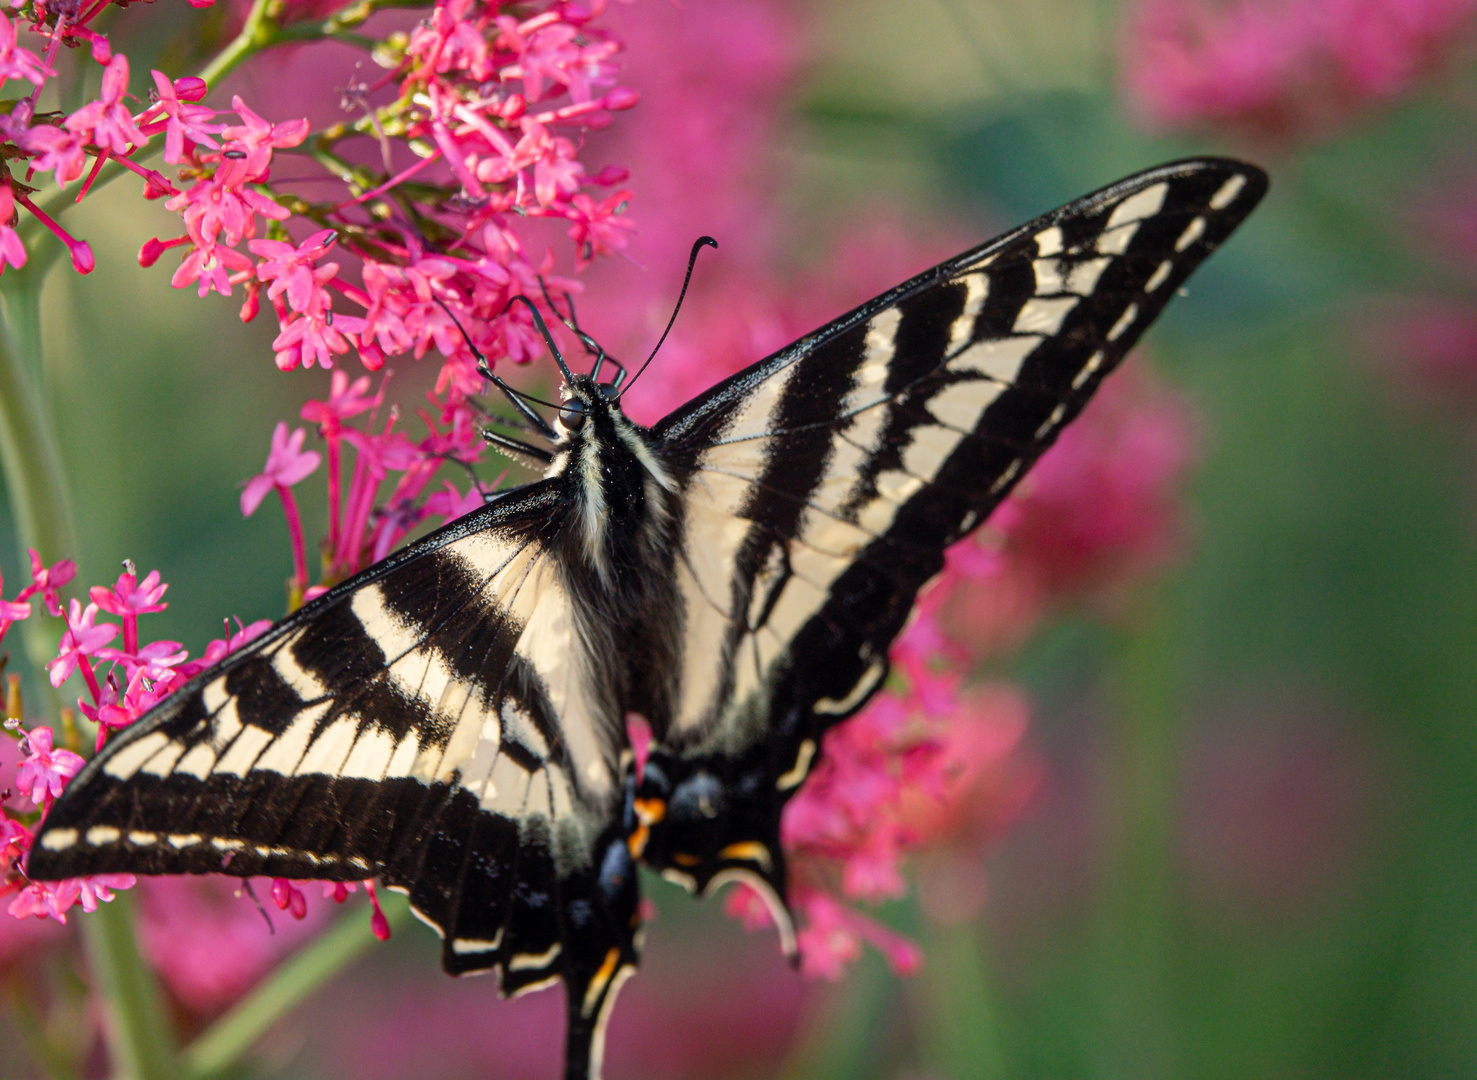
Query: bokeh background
{"points": [[1241, 831]]}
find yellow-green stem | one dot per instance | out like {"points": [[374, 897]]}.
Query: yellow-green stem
{"points": [[259, 32]]}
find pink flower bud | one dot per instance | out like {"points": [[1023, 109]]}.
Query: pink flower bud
{"points": [[82, 260], [253, 302], [378, 924], [149, 254], [513, 108], [610, 176], [620, 98], [190, 88]]}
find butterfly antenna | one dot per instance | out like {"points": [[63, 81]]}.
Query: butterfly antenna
{"points": [[698, 245], [543, 328], [485, 370], [592, 347]]}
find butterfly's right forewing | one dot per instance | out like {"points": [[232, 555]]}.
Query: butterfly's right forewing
{"points": [[823, 485]]}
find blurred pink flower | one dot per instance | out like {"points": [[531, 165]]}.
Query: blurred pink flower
{"points": [[1281, 68], [210, 941], [1427, 345]]}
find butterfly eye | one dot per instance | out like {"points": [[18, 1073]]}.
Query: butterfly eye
{"points": [[610, 391], [572, 416]]}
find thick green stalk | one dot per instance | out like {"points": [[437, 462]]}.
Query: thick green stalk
{"points": [[223, 1043], [30, 456], [139, 1039]]}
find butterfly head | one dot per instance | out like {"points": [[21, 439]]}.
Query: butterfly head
{"points": [[584, 399]]}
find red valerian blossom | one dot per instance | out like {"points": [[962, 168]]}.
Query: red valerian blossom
{"points": [[1280, 68], [287, 464], [478, 120]]}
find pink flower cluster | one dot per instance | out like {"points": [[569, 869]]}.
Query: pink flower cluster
{"points": [[121, 684], [364, 527], [487, 111], [1280, 68], [478, 125]]}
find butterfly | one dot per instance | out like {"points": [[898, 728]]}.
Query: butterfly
{"points": [[451, 720]]}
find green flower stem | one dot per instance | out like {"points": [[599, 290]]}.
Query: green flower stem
{"points": [[259, 32], [1135, 937], [140, 1040], [838, 1038], [223, 1043], [960, 1011]]}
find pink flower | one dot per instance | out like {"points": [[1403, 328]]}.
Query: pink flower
{"points": [[106, 122], [220, 648], [599, 228], [449, 505], [287, 464], [15, 840], [16, 62], [345, 399], [47, 580], [153, 661], [315, 336], [56, 150], [129, 596], [42, 901], [213, 208], [291, 270], [11, 611], [257, 139], [44, 772], [185, 122], [54, 900], [82, 639], [210, 267]]}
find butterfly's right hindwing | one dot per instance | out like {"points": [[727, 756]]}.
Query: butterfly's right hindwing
{"points": [[407, 725]]}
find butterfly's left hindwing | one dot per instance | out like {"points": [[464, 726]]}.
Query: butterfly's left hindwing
{"points": [[413, 724], [822, 485]]}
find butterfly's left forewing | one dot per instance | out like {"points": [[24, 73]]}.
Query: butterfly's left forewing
{"points": [[822, 486], [411, 725]]}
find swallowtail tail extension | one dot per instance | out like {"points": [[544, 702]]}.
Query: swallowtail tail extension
{"points": [[451, 719]]}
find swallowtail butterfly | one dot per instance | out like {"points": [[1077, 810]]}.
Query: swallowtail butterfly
{"points": [[451, 719]]}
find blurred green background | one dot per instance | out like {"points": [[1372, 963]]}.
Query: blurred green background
{"points": [[1253, 854]]}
